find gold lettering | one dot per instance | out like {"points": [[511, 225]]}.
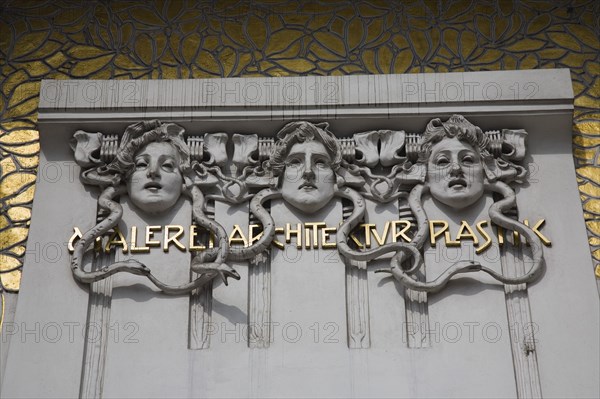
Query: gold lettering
{"points": [[488, 239], [402, 232], [433, 235], [536, 228], [367, 227], [167, 240], [315, 231], [278, 244], [449, 241], [500, 232], [254, 238], [133, 248], [325, 236], [150, 233], [381, 239], [193, 234], [306, 238], [76, 236], [297, 233], [237, 240], [469, 234], [356, 241], [120, 240]]}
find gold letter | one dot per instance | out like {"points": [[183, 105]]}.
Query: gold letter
{"points": [[149, 233], [254, 238], [325, 236], [488, 239], [237, 240], [120, 241], [432, 234], [469, 234], [315, 226], [173, 239], [297, 233], [381, 240], [367, 227], [402, 232], [277, 243], [76, 236], [193, 234], [500, 231], [133, 248], [535, 228]]}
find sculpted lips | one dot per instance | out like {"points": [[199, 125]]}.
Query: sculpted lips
{"points": [[457, 183], [308, 185], [152, 186]]}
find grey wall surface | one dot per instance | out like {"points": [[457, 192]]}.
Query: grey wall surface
{"points": [[470, 352]]}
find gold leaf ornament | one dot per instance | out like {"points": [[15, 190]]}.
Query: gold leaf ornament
{"points": [[28, 43], [11, 281], [23, 198], [80, 52], [298, 65], [14, 182], [19, 214], [256, 30], [11, 237], [19, 137], [8, 263], [526, 45], [564, 40], [282, 40], [87, 67]]}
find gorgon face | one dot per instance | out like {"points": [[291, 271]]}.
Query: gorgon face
{"points": [[308, 180], [455, 173], [156, 182]]}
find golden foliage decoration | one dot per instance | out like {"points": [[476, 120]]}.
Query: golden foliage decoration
{"points": [[56, 39]]}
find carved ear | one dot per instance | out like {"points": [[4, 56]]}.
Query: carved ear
{"points": [[245, 150], [214, 145], [392, 147], [367, 152], [514, 146], [87, 148]]}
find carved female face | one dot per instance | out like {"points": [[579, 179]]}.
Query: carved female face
{"points": [[308, 180], [156, 182], [455, 173]]}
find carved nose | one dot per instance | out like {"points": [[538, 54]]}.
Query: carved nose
{"points": [[455, 169], [308, 174], [153, 171]]}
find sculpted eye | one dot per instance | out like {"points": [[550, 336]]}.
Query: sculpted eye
{"points": [[468, 160], [321, 163], [294, 163], [168, 166], [442, 161], [141, 164]]}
